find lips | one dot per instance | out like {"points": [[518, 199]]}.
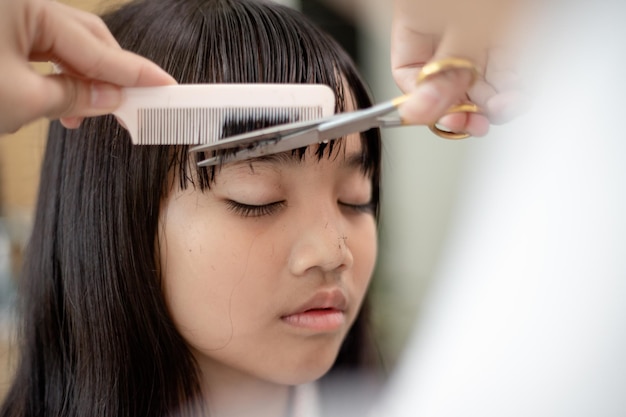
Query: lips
{"points": [[325, 311]]}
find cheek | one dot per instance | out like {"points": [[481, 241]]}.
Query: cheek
{"points": [[201, 259], [218, 272], [364, 247]]}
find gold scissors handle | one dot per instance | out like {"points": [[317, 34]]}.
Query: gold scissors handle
{"points": [[459, 108], [437, 67]]}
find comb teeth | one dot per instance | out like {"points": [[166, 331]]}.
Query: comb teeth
{"points": [[199, 114], [202, 125]]}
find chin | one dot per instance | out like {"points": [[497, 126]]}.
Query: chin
{"points": [[301, 378], [308, 370]]}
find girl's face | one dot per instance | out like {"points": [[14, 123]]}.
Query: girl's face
{"points": [[265, 272]]}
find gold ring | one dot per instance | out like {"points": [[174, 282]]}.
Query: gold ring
{"points": [[446, 64], [459, 108]]}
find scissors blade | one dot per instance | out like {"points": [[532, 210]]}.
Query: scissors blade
{"points": [[296, 135], [359, 120], [268, 146], [248, 139]]}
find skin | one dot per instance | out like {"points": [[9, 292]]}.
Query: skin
{"points": [[424, 31], [232, 275], [93, 65]]}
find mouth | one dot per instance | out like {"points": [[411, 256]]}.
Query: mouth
{"points": [[322, 320], [324, 312]]}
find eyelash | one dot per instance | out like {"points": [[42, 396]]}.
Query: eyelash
{"points": [[248, 210], [367, 208]]}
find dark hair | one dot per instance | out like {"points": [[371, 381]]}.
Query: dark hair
{"points": [[96, 335]]}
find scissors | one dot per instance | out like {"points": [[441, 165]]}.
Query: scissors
{"points": [[289, 136]]}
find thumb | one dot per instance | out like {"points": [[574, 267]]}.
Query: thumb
{"points": [[456, 64], [431, 99], [63, 95]]}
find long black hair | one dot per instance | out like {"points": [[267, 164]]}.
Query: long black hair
{"points": [[96, 336]]}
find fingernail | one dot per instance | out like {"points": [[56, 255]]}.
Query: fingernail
{"points": [[71, 122], [105, 96], [423, 106]]}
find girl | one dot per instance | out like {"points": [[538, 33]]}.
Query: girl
{"points": [[154, 288]]}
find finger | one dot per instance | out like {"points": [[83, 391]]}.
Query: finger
{"points": [[71, 122], [472, 123], [63, 96], [79, 50], [434, 96], [410, 50], [505, 97], [480, 93], [92, 22], [502, 98], [500, 76], [55, 96], [501, 70], [455, 43], [504, 107], [55, 15]]}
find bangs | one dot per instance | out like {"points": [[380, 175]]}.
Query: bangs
{"points": [[230, 41], [187, 172]]}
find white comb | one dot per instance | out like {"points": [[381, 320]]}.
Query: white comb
{"points": [[192, 114]]}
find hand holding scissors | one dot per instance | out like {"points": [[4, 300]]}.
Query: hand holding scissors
{"points": [[290, 136], [487, 33]]}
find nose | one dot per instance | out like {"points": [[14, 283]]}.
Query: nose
{"points": [[320, 243]]}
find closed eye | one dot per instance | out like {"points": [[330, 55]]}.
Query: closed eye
{"points": [[367, 208], [249, 210]]}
